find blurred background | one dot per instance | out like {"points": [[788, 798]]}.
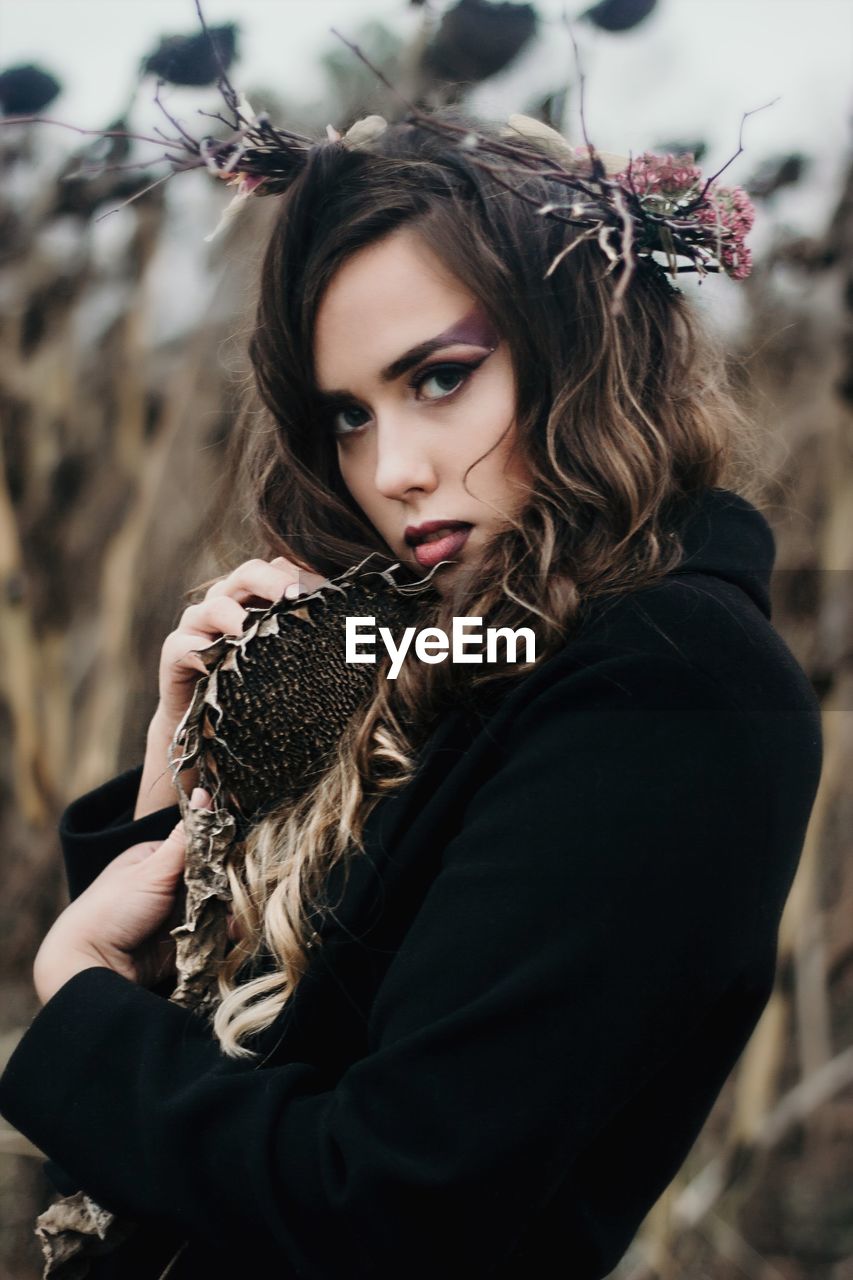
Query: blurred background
{"points": [[122, 362]]}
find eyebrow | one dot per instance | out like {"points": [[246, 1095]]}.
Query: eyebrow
{"points": [[468, 330]]}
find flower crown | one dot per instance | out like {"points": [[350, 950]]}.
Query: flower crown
{"points": [[632, 208]]}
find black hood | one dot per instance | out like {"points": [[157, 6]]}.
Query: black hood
{"points": [[726, 536]]}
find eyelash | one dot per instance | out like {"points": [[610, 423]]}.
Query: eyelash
{"points": [[415, 384]]}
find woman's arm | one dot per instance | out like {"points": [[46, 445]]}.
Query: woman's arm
{"points": [[98, 826], [93, 830], [156, 788], [610, 882]]}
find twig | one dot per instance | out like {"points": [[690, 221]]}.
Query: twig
{"points": [[362, 56], [627, 246], [188, 141], [597, 166], [215, 115], [567, 249], [95, 170], [224, 84], [731, 159], [157, 183], [63, 124]]}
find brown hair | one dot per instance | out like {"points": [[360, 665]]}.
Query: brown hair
{"points": [[619, 417]]}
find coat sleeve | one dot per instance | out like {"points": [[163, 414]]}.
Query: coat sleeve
{"points": [[94, 829], [595, 904], [99, 825]]}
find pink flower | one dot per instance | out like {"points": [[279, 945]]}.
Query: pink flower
{"points": [[674, 177], [728, 214], [724, 216]]}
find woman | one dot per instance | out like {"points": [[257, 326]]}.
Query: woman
{"points": [[554, 887]]}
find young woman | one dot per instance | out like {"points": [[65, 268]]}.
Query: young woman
{"points": [[555, 921]]}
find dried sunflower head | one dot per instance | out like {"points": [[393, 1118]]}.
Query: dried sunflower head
{"points": [[266, 719], [263, 724]]}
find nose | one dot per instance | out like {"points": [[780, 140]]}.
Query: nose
{"points": [[403, 460]]}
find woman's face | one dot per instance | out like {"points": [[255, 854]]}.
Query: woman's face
{"points": [[415, 386]]}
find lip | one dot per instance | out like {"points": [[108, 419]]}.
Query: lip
{"points": [[414, 533], [429, 554]]}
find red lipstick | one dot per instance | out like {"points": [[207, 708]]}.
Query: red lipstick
{"points": [[415, 533]]}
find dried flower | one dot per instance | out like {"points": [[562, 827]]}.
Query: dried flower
{"points": [[632, 209], [714, 219]]}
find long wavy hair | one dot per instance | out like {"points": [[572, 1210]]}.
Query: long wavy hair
{"points": [[619, 419]]}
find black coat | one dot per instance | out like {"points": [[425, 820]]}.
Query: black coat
{"points": [[541, 974]]}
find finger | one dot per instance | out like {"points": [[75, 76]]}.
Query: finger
{"points": [[170, 854], [188, 659], [169, 857], [281, 578], [307, 576], [256, 580], [200, 799], [307, 583], [221, 615], [181, 650], [129, 857], [177, 837]]}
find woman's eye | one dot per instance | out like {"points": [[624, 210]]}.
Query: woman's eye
{"points": [[447, 379], [341, 426]]}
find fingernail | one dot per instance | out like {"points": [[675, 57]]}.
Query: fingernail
{"points": [[292, 591], [199, 798]]}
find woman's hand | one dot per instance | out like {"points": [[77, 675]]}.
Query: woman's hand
{"points": [[222, 612], [122, 920]]}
